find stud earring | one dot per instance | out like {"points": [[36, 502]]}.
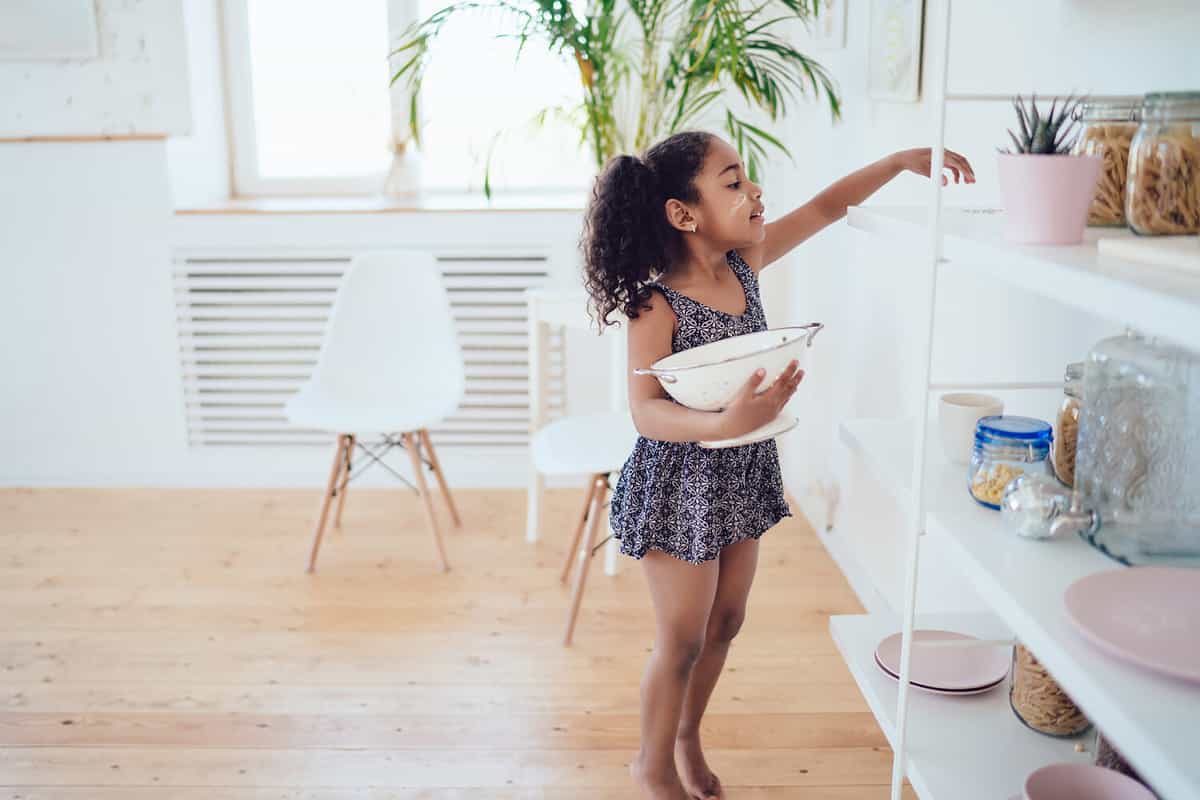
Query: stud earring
{"points": [[693, 227]]}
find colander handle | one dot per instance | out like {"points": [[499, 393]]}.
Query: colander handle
{"points": [[813, 329], [665, 377]]}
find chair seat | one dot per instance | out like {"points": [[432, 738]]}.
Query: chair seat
{"points": [[584, 443], [414, 412]]}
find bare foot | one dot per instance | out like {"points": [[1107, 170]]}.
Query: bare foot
{"points": [[697, 778], [655, 786]]}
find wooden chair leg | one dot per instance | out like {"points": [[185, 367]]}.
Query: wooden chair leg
{"points": [[573, 547], [344, 487], [585, 557], [412, 445], [441, 478], [334, 474]]}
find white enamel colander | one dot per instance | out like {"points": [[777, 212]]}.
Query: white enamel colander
{"points": [[708, 377]]}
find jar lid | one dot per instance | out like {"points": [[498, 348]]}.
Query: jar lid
{"points": [[1185, 104], [1013, 430], [1118, 110]]}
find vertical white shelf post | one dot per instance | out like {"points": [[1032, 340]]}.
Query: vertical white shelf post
{"points": [[916, 507]]}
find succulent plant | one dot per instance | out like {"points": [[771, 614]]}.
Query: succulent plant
{"points": [[1048, 135]]}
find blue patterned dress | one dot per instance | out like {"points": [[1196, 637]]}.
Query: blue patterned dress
{"points": [[686, 500]]}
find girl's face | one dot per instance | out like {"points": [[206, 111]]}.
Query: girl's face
{"points": [[730, 211]]}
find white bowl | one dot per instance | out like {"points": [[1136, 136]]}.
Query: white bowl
{"points": [[708, 377]]}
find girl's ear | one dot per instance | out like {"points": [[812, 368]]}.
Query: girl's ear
{"points": [[680, 216]]}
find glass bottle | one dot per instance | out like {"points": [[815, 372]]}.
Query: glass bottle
{"points": [[1162, 193], [1137, 476], [1066, 424], [1107, 130]]}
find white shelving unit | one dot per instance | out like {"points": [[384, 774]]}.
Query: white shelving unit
{"points": [[1152, 719], [955, 748]]}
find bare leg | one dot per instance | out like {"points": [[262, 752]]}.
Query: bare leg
{"points": [[737, 566], [682, 594]]}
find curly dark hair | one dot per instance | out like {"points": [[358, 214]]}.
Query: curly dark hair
{"points": [[627, 240]]}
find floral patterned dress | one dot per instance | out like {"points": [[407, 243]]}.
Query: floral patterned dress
{"points": [[686, 500]]}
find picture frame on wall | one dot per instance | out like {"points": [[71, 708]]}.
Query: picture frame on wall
{"points": [[828, 26], [894, 54]]}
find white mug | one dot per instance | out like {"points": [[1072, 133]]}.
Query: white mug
{"points": [[957, 414]]}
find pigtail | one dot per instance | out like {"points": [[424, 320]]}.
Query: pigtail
{"points": [[627, 240], [623, 237]]}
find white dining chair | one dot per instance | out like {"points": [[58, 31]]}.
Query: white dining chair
{"points": [[389, 364], [594, 445]]}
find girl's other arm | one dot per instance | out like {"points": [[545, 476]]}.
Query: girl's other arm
{"points": [[656, 416], [830, 205]]}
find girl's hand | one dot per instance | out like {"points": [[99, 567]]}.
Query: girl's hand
{"points": [[749, 411], [920, 161]]}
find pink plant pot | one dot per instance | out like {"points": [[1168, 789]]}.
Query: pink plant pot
{"points": [[1046, 198]]}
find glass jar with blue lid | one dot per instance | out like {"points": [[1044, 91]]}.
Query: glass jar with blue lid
{"points": [[1007, 447]]}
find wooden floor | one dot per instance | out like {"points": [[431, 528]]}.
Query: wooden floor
{"points": [[168, 645]]}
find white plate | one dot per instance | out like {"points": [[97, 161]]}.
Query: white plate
{"points": [[776, 427]]}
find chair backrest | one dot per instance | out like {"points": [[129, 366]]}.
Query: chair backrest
{"points": [[390, 334]]}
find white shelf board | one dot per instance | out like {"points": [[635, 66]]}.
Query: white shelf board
{"points": [[1154, 299], [1153, 720], [955, 745]]}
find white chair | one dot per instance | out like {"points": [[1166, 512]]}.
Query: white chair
{"points": [[389, 364], [595, 445]]}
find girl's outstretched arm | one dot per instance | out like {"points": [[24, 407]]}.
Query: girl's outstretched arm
{"points": [[830, 205]]}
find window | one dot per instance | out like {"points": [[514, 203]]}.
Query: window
{"points": [[311, 109]]}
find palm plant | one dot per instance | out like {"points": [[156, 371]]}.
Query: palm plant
{"points": [[648, 68]]}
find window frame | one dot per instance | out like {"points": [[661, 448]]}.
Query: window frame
{"points": [[246, 180]]}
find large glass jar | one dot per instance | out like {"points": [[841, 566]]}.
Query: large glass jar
{"points": [[1066, 424], [1137, 474], [1107, 132], [1005, 448], [1038, 701], [1163, 190]]}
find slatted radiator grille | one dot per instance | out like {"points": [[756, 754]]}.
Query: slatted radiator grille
{"points": [[250, 329]]}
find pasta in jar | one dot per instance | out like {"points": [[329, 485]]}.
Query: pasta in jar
{"points": [[1108, 131], [1163, 186]]}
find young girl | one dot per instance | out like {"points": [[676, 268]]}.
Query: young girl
{"points": [[675, 240]]}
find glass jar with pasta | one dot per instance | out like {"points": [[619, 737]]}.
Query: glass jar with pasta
{"points": [[1162, 193], [1005, 448], [1066, 428], [1107, 130]]}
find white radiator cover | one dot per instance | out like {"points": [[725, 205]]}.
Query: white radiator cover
{"points": [[250, 326]]}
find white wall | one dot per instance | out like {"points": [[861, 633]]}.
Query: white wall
{"points": [[134, 84]]}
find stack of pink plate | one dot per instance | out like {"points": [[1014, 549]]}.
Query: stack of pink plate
{"points": [[946, 669]]}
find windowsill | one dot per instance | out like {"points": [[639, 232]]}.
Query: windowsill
{"points": [[378, 204]]}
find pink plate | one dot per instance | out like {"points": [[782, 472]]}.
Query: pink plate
{"points": [[1146, 615], [930, 690], [1082, 782], [947, 668]]}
